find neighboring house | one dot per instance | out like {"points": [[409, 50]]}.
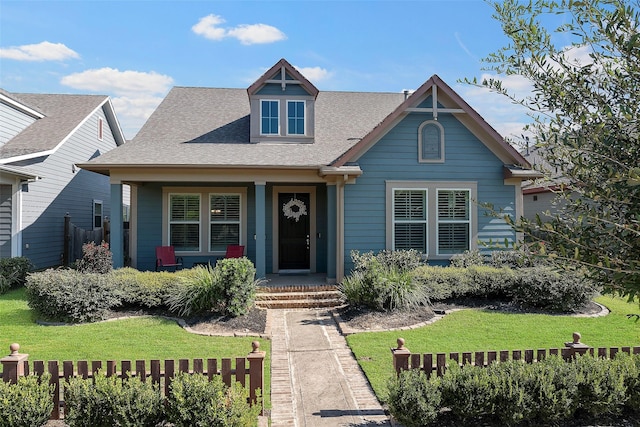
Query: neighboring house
{"points": [[301, 177], [42, 137], [540, 196]]}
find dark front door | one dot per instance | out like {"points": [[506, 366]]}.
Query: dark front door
{"points": [[293, 227]]}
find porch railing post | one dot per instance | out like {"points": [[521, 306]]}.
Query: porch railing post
{"points": [[256, 374], [13, 364]]}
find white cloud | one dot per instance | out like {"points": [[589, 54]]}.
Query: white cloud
{"points": [[207, 27], [119, 82], [44, 51], [315, 74], [135, 94], [247, 34]]}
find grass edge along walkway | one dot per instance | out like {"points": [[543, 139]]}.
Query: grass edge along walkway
{"points": [[471, 330], [143, 338]]}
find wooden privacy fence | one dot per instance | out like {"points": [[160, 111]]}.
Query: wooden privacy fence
{"points": [[403, 359], [75, 237], [250, 368]]}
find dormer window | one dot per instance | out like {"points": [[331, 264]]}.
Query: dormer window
{"points": [[283, 105], [269, 117], [295, 117]]}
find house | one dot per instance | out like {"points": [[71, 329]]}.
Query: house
{"points": [[541, 197], [302, 177], [42, 137]]}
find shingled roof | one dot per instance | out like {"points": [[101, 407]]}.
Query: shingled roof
{"points": [[62, 114], [209, 127]]}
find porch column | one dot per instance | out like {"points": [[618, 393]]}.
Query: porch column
{"points": [[261, 237], [331, 232], [116, 245]]}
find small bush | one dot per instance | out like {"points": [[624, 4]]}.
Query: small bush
{"points": [[547, 289], [26, 404], [147, 289], [71, 296], [110, 401], [402, 260], [601, 389], [414, 400], [467, 259], [514, 259], [13, 272], [95, 258], [237, 278], [195, 401], [468, 392], [197, 291]]}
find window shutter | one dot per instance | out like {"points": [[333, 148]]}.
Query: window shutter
{"points": [[184, 222]]}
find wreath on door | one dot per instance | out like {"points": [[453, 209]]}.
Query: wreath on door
{"points": [[294, 209]]}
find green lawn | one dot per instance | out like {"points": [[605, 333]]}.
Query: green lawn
{"points": [[476, 330], [132, 339]]}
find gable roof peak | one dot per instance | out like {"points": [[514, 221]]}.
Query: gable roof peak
{"points": [[284, 67]]}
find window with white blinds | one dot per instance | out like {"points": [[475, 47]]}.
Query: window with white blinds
{"points": [[410, 219], [454, 220], [225, 220], [184, 222]]}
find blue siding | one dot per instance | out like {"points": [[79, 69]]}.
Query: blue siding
{"points": [[395, 157]]}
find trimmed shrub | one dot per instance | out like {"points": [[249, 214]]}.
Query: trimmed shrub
{"points": [[71, 296], [110, 401], [237, 278], [514, 259], [147, 289], [489, 282], [13, 272], [467, 259], [195, 401], [414, 400], [197, 291], [402, 260], [442, 283], [547, 289], [468, 392], [95, 258], [26, 404], [601, 389]]}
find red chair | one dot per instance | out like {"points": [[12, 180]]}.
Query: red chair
{"points": [[235, 251], [166, 258]]}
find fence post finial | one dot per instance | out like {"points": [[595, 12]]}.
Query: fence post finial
{"points": [[13, 364], [575, 346], [401, 356], [256, 346]]}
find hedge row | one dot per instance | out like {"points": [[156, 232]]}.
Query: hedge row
{"points": [[400, 279], [550, 392], [110, 401], [73, 296]]}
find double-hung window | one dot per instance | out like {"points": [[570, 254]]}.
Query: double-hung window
{"points": [[225, 221], [454, 221], [97, 214], [432, 217], [184, 222], [410, 219], [295, 118], [269, 117]]}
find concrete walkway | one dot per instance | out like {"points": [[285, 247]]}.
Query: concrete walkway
{"points": [[315, 380]]}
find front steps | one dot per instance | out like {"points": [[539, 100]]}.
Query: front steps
{"points": [[298, 296]]}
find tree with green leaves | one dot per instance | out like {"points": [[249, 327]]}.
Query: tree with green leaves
{"points": [[582, 59]]}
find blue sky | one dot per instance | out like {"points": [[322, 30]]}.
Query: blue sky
{"points": [[135, 51]]}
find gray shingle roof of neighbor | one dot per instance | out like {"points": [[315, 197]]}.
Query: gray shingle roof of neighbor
{"points": [[210, 127], [62, 114]]}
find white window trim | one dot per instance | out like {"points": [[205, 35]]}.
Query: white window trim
{"points": [[93, 212], [432, 229], [205, 228], [241, 231], [420, 129], [452, 221], [304, 104], [394, 222], [262, 133]]}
